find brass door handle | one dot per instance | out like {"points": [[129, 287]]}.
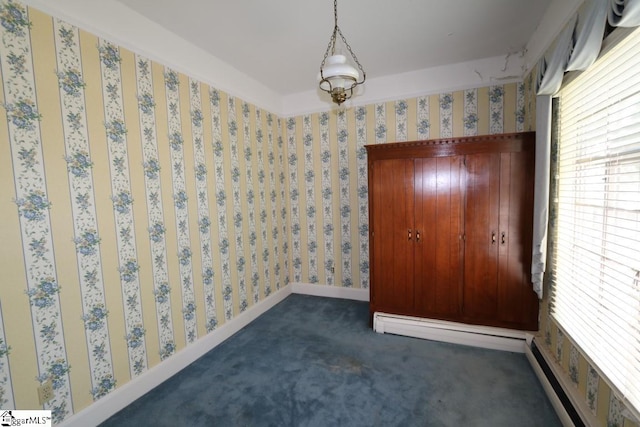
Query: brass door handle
{"points": [[409, 234], [417, 235], [502, 238], [493, 237]]}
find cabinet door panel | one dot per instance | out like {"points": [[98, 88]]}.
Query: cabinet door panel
{"points": [[516, 300], [438, 221], [393, 207], [481, 235]]}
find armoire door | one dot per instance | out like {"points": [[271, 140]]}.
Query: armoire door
{"points": [[498, 217], [517, 303], [482, 235], [438, 246], [392, 234]]}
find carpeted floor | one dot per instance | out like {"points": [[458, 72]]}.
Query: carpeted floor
{"points": [[313, 361]]}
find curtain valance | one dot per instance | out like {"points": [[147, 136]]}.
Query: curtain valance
{"points": [[575, 49]]}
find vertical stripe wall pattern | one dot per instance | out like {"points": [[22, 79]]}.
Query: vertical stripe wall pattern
{"points": [[204, 221], [237, 217], [33, 201], [328, 169], [589, 383], [223, 239], [119, 179], [155, 214], [117, 142], [81, 189], [310, 179], [362, 191], [173, 84]]}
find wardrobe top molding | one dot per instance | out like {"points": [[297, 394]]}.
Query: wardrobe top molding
{"points": [[445, 147]]}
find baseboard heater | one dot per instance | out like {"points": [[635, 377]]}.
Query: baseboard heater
{"points": [[452, 332], [563, 395], [570, 407]]}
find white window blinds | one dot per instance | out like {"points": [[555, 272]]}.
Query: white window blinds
{"points": [[596, 263]]}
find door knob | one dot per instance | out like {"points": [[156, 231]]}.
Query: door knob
{"points": [[409, 234]]}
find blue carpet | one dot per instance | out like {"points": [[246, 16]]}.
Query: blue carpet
{"points": [[313, 361]]}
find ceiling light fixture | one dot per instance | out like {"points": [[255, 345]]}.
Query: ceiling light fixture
{"points": [[337, 77]]}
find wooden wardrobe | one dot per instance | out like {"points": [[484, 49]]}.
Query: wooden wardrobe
{"points": [[450, 225]]}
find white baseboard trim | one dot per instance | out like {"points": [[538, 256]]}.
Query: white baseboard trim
{"points": [[122, 396], [562, 413], [570, 390], [451, 332], [358, 294]]}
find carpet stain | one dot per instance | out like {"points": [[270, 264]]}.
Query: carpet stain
{"points": [[347, 366]]}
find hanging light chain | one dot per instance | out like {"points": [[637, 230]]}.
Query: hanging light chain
{"points": [[355, 58], [331, 47], [340, 92]]}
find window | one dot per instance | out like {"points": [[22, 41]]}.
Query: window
{"points": [[595, 293]]}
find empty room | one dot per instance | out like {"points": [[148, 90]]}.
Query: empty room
{"points": [[320, 213]]}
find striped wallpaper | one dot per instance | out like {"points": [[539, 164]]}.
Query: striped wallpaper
{"points": [[140, 209], [327, 175]]}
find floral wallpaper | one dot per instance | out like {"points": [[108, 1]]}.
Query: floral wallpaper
{"points": [[141, 209], [327, 174], [84, 216], [33, 204], [606, 408]]}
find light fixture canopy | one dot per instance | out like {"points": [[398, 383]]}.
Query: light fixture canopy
{"points": [[337, 76]]}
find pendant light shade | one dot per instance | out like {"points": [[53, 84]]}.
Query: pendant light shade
{"points": [[337, 76]]}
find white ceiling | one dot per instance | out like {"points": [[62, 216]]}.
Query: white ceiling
{"points": [[269, 52], [281, 43]]}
